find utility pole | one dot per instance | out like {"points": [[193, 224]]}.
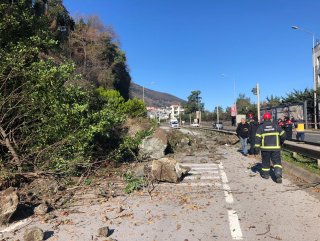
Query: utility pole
{"points": [[218, 118], [143, 93], [258, 99], [256, 91]]}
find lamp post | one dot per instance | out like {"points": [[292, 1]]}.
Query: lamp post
{"points": [[314, 74]]}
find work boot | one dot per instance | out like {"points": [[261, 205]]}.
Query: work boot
{"points": [[278, 174], [278, 179], [265, 175]]}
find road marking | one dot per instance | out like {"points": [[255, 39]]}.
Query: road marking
{"points": [[226, 188], [199, 164], [199, 173], [194, 184], [234, 225], [201, 177]]}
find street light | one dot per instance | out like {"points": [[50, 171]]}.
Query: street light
{"points": [[314, 74]]}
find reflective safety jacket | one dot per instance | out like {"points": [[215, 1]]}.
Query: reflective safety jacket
{"points": [[269, 137]]}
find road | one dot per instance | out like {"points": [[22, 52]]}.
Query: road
{"points": [[223, 199]]}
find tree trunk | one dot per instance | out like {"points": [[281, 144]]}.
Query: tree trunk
{"points": [[11, 149]]}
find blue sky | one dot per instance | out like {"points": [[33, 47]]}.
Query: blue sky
{"points": [[185, 45]]}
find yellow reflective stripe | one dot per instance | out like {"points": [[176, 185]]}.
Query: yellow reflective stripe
{"points": [[258, 135], [265, 169], [270, 134], [277, 166], [256, 145], [281, 133], [270, 147]]}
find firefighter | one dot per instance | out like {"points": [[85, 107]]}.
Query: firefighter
{"points": [[269, 139], [288, 128]]}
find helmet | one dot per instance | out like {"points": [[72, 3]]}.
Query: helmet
{"points": [[267, 116]]}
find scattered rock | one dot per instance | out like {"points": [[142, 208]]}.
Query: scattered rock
{"points": [[120, 209], [104, 232], [9, 201], [41, 209], [139, 171], [151, 148], [168, 170], [33, 234]]}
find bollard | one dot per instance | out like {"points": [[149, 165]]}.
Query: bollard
{"points": [[318, 161]]}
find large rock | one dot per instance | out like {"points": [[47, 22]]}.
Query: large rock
{"points": [[152, 148], [33, 234], [9, 201], [168, 170]]}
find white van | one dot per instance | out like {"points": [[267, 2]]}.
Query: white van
{"points": [[174, 124]]}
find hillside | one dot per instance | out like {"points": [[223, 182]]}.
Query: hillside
{"points": [[154, 98]]}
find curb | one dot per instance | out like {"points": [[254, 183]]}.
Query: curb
{"points": [[301, 173]]}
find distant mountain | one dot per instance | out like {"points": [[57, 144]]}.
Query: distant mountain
{"points": [[154, 98]]}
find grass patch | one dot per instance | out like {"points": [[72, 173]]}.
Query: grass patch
{"points": [[301, 161], [133, 183]]}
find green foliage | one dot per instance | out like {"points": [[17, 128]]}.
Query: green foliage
{"points": [[301, 161], [128, 149], [50, 120], [133, 183], [132, 108], [135, 108], [194, 102]]}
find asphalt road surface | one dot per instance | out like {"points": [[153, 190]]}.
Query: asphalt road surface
{"points": [[223, 199]]}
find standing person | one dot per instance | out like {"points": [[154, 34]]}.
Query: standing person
{"points": [[269, 139], [254, 124], [243, 134], [300, 130], [288, 128]]}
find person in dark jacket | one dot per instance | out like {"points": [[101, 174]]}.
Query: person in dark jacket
{"points": [[254, 124], [243, 134], [269, 138], [288, 128]]}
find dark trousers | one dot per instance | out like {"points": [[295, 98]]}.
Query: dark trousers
{"points": [[275, 157], [253, 151], [300, 136]]}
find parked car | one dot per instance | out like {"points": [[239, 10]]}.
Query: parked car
{"points": [[195, 124], [218, 125], [174, 124]]}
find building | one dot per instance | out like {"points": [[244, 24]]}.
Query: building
{"points": [[176, 111], [317, 62]]}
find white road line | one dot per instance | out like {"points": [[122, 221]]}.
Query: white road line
{"points": [[204, 169], [204, 172], [194, 184], [199, 164], [234, 225], [227, 190], [201, 177]]}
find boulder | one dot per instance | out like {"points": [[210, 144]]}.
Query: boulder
{"points": [[9, 201], [152, 148], [33, 234], [167, 170], [41, 209]]}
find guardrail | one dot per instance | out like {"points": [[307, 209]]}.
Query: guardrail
{"points": [[305, 149]]}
